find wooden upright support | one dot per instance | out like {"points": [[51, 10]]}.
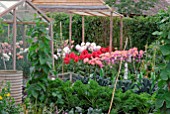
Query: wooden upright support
{"points": [[14, 38], [52, 43], [121, 33], [111, 31], [70, 31], [8, 32], [83, 30]]}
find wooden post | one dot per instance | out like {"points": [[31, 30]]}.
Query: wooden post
{"points": [[121, 33], [8, 32], [62, 42], [52, 43], [14, 39], [111, 31], [70, 31], [24, 36], [83, 40]]}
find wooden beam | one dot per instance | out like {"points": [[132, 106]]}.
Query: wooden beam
{"points": [[14, 39], [11, 8], [121, 33], [25, 23], [111, 32], [83, 30], [90, 13], [39, 11], [70, 31], [104, 13]]}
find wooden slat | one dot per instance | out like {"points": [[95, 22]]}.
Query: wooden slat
{"points": [[68, 2]]}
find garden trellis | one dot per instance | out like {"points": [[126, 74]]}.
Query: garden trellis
{"points": [[15, 12], [83, 8]]}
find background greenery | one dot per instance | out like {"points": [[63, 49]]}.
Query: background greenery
{"points": [[138, 29]]}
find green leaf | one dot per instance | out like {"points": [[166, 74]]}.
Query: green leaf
{"points": [[34, 94], [159, 103], [164, 75], [165, 50], [167, 96], [169, 35], [157, 33], [101, 72], [168, 103]]}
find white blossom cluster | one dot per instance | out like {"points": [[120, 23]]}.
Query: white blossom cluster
{"points": [[87, 46]]}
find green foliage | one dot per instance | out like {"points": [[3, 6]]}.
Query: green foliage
{"points": [[39, 56], [163, 101], [7, 103], [98, 97], [132, 6], [1, 27]]}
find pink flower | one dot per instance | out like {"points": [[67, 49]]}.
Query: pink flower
{"points": [[85, 60], [141, 52]]}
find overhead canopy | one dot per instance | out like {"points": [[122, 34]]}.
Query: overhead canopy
{"points": [[80, 7], [25, 11]]}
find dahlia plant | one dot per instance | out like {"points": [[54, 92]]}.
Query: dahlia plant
{"points": [[6, 51], [63, 50], [100, 56]]}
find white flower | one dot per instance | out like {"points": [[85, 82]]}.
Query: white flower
{"points": [[82, 44], [55, 56], [21, 49], [87, 44], [17, 43], [59, 55], [97, 48], [6, 56], [26, 50], [9, 53], [59, 50], [93, 44], [47, 29], [64, 55], [66, 50], [81, 49], [84, 48], [90, 49], [78, 47]]}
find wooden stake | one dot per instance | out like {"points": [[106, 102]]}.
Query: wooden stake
{"points": [[121, 33], [70, 31], [83, 30], [14, 39], [8, 32], [52, 43], [111, 31], [61, 37]]}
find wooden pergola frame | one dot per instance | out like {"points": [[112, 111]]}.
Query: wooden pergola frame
{"points": [[15, 21], [79, 7]]}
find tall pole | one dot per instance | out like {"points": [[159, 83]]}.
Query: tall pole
{"points": [[121, 33], [8, 32], [83, 40], [24, 36], [52, 43], [14, 39], [111, 31], [70, 31]]}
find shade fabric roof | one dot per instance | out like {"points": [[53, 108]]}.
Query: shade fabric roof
{"points": [[80, 7], [25, 11]]}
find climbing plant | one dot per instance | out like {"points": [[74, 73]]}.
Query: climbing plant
{"points": [[163, 96]]}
